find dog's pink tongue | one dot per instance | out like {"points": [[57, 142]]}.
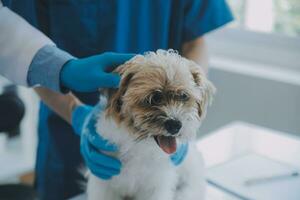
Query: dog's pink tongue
{"points": [[167, 144]]}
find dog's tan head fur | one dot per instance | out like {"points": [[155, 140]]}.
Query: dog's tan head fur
{"points": [[160, 94]]}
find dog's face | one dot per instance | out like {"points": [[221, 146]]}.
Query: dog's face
{"points": [[161, 95]]}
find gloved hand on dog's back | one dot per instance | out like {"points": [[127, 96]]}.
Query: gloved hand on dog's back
{"points": [[91, 144], [178, 157]]}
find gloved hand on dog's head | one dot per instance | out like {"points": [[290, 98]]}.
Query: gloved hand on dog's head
{"points": [[91, 144], [90, 74]]}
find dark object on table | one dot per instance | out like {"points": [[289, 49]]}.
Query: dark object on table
{"points": [[12, 110], [17, 192]]}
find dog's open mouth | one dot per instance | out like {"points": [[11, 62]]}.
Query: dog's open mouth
{"points": [[166, 143]]}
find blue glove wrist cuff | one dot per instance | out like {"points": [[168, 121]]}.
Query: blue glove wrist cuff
{"points": [[79, 115]]}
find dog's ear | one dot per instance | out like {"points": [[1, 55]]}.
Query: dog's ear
{"points": [[205, 87], [114, 96]]}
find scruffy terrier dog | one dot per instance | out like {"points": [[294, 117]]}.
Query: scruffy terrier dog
{"points": [[160, 104]]}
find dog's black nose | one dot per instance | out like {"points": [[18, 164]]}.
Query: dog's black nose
{"points": [[173, 126]]}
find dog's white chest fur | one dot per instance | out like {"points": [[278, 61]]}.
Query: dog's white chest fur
{"points": [[147, 172]]}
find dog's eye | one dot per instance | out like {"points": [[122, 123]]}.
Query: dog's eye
{"points": [[156, 98], [183, 97]]}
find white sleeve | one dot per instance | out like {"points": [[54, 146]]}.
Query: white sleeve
{"points": [[19, 42]]}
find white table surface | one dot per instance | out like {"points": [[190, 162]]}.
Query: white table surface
{"points": [[240, 138]]}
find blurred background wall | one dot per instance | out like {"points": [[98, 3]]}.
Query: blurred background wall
{"points": [[255, 65]]}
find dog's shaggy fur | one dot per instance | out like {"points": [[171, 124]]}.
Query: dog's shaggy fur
{"points": [[155, 89]]}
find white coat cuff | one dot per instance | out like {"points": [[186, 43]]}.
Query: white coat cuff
{"points": [[45, 67]]}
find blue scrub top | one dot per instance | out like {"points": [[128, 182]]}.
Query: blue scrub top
{"points": [[85, 28]]}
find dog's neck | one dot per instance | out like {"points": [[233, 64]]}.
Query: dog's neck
{"points": [[128, 147]]}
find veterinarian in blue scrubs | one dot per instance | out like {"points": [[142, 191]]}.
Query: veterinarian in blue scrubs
{"points": [[86, 28]]}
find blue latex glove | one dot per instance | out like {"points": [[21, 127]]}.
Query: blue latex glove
{"points": [[180, 154], [91, 143], [90, 74]]}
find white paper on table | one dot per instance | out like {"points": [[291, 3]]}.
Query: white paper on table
{"points": [[231, 176]]}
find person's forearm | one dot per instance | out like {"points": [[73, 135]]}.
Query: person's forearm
{"points": [[196, 50], [63, 105]]}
